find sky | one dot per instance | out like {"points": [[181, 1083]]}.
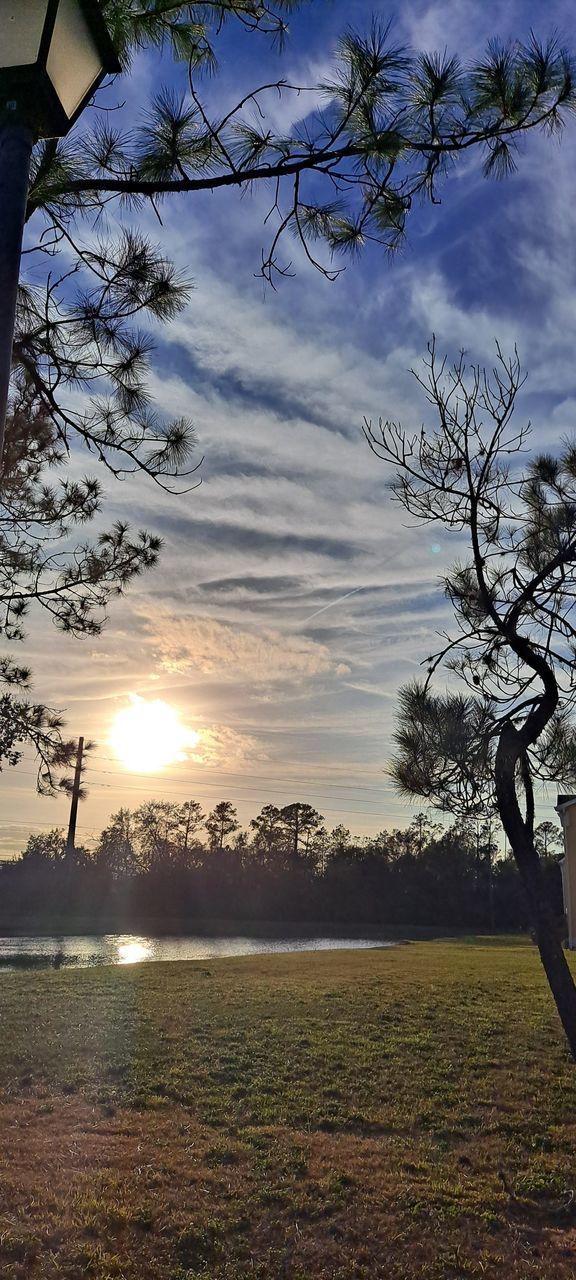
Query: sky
{"points": [[294, 598]]}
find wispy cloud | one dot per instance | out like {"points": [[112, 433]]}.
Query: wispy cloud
{"points": [[193, 643]]}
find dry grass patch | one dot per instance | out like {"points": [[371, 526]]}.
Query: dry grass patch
{"points": [[397, 1114]]}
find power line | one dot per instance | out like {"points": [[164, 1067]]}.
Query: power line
{"points": [[360, 813], [229, 773], [254, 791], [352, 813], [201, 785], [24, 823]]}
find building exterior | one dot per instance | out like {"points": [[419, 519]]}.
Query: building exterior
{"points": [[566, 810]]}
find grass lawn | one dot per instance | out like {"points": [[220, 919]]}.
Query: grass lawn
{"points": [[406, 1113]]}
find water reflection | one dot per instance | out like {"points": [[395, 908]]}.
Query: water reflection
{"points": [[86, 950], [132, 952]]}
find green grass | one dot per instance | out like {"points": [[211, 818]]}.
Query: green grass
{"points": [[394, 1113]]}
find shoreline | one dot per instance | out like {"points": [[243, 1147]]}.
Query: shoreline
{"points": [[36, 927]]}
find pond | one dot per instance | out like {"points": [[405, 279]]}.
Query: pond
{"points": [[86, 950]]}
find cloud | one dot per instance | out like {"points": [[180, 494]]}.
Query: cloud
{"points": [[220, 747], [226, 535], [462, 25], [253, 585], [216, 649]]}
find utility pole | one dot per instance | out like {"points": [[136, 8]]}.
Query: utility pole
{"points": [[296, 830], [71, 839], [491, 880], [188, 807]]}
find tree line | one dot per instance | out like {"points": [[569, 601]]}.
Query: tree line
{"points": [[172, 864]]}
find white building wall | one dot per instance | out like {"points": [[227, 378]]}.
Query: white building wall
{"points": [[566, 810]]}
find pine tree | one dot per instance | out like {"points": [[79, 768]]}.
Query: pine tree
{"points": [[42, 563], [514, 640], [391, 125], [301, 821], [221, 823]]}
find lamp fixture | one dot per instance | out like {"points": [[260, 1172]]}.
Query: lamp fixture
{"points": [[53, 56]]}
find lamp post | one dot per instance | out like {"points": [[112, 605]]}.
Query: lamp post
{"points": [[53, 56]]}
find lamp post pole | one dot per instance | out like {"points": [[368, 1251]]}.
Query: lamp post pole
{"points": [[16, 141], [54, 54]]}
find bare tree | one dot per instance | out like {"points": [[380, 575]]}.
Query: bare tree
{"points": [[514, 640]]}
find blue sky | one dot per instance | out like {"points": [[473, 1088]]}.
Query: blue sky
{"points": [[293, 600]]}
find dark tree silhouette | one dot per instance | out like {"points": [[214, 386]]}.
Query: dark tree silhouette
{"points": [[191, 818], [50, 846], [160, 835], [139, 877], [268, 830], [548, 839], [221, 823], [514, 641], [300, 822], [44, 562], [24, 723], [41, 511], [115, 853]]}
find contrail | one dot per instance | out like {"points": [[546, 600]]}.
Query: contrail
{"points": [[435, 547], [332, 604]]}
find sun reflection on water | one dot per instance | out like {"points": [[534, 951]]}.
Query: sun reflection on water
{"points": [[132, 952]]}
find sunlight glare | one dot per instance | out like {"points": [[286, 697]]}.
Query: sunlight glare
{"points": [[149, 735], [132, 952]]}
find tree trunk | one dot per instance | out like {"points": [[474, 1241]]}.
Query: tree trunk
{"points": [[550, 947], [520, 835]]}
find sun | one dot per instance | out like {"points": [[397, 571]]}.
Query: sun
{"points": [[146, 736]]}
